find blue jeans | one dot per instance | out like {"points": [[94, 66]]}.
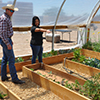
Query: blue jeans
{"points": [[36, 51], [8, 56]]}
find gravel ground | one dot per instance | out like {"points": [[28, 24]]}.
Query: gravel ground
{"points": [[60, 67], [29, 90]]}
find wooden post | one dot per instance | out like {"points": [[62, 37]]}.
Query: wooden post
{"points": [[88, 34]]}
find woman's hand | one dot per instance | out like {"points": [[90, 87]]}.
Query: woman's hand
{"points": [[48, 31]]}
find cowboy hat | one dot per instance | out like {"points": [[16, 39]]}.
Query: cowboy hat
{"points": [[10, 6]]}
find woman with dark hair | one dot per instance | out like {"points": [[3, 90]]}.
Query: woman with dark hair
{"points": [[37, 39]]}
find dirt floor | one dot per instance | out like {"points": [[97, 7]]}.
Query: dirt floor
{"points": [[30, 90], [52, 76], [61, 67]]}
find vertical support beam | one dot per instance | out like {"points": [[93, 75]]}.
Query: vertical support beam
{"points": [[14, 2], [93, 13], [14, 6], [88, 34], [55, 24]]}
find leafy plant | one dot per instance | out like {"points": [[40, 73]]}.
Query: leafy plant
{"points": [[58, 82], [32, 69], [77, 84], [0, 62], [88, 45], [67, 85], [19, 59], [30, 58], [91, 88], [77, 55], [92, 62], [82, 58], [2, 95], [50, 72], [95, 46], [54, 52], [65, 51], [44, 75], [46, 55], [62, 51], [39, 73]]}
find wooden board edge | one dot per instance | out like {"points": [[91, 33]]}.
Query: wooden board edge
{"points": [[10, 94], [92, 70], [91, 53], [47, 60], [64, 74], [54, 87]]}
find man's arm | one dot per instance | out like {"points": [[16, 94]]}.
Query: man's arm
{"points": [[4, 34]]}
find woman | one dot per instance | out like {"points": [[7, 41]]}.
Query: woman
{"points": [[37, 39]]}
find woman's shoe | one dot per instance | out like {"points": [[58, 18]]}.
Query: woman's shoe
{"points": [[42, 64]]}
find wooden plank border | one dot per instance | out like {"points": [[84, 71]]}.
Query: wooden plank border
{"points": [[61, 91], [28, 28], [48, 60], [10, 94], [81, 68], [90, 53], [85, 69]]}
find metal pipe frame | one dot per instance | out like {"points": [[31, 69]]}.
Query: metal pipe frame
{"points": [[55, 25]]}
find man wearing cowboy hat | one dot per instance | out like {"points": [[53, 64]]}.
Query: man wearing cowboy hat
{"points": [[6, 32]]}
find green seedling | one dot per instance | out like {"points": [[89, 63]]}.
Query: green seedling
{"points": [[50, 72], [39, 73], [2, 95], [32, 69]]}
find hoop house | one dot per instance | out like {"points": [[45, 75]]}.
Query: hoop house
{"points": [[74, 14]]}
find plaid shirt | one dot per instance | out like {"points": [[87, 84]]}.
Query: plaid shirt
{"points": [[6, 30]]}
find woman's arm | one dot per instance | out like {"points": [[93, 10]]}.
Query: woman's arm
{"points": [[42, 30]]}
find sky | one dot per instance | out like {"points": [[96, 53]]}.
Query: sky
{"points": [[76, 7], [40, 5]]}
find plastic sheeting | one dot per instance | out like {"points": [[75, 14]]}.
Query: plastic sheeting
{"points": [[97, 16], [74, 12]]}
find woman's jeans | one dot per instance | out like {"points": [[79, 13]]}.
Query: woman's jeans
{"points": [[8, 56], [36, 51]]}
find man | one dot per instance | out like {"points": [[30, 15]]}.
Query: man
{"points": [[6, 32]]}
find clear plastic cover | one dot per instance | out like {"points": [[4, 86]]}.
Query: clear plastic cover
{"points": [[74, 12]]}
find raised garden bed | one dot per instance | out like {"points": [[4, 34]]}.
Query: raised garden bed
{"points": [[29, 90], [90, 53], [93, 46], [91, 66], [9, 93], [84, 70], [47, 60], [52, 81]]}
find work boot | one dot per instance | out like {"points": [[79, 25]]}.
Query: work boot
{"points": [[18, 81], [6, 79]]}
